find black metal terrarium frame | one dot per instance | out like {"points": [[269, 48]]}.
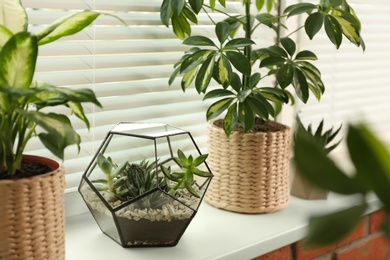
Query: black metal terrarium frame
{"points": [[136, 231]]}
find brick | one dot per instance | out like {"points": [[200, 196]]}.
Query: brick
{"points": [[374, 247], [376, 220], [279, 254], [301, 252]]}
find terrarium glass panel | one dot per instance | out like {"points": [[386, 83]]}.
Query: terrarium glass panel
{"points": [[152, 178]]}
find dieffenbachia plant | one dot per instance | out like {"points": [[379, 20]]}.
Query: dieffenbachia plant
{"points": [[232, 61], [23, 99]]}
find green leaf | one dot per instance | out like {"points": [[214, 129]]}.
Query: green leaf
{"points": [[238, 43], [285, 75], [173, 75], [239, 61], [199, 41], [272, 61], [333, 30], [59, 131], [222, 30], [243, 94], [212, 5], [224, 70], [231, 119], [254, 80], [218, 93], [299, 9], [13, 16], [313, 24], [371, 160], [259, 4], [275, 94], [165, 12], [5, 35], [289, 45], [200, 159], [202, 173], [218, 107], [191, 189], [177, 6], [258, 107], [66, 26], [276, 51], [193, 60], [385, 226], [180, 26], [104, 164], [324, 230], [349, 30], [222, 2], [306, 55], [196, 5], [190, 15], [300, 85], [246, 116], [313, 164], [205, 74], [188, 78], [17, 60]]}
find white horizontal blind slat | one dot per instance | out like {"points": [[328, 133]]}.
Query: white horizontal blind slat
{"points": [[127, 66], [358, 87]]}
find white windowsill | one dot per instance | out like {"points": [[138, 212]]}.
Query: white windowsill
{"points": [[212, 234]]}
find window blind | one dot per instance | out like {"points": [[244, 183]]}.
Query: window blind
{"points": [[357, 82], [127, 66]]}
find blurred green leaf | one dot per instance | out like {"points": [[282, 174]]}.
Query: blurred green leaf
{"points": [[324, 230], [312, 163], [371, 160]]}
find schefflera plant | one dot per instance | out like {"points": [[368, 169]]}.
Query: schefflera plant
{"points": [[232, 62]]}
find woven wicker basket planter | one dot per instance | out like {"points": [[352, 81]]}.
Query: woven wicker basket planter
{"points": [[32, 215], [251, 170]]}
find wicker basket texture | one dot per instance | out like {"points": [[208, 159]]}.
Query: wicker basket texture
{"points": [[32, 216], [251, 170]]}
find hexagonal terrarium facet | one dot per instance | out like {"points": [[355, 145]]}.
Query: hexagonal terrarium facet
{"points": [[145, 184]]}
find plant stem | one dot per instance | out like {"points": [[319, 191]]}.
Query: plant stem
{"points": [[248, 35]]}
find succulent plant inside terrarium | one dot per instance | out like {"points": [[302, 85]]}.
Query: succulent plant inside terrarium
{"points": [[129, 181]]}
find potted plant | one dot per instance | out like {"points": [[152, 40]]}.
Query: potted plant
{"points": [[370, 173], [248, 151], [145, 197], [32, 187], [300, 187]]}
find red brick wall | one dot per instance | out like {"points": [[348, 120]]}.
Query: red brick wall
{"points": [[366, 242]]}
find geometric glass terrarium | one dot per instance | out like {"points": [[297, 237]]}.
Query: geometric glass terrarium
{"points": [[145, 184]]}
